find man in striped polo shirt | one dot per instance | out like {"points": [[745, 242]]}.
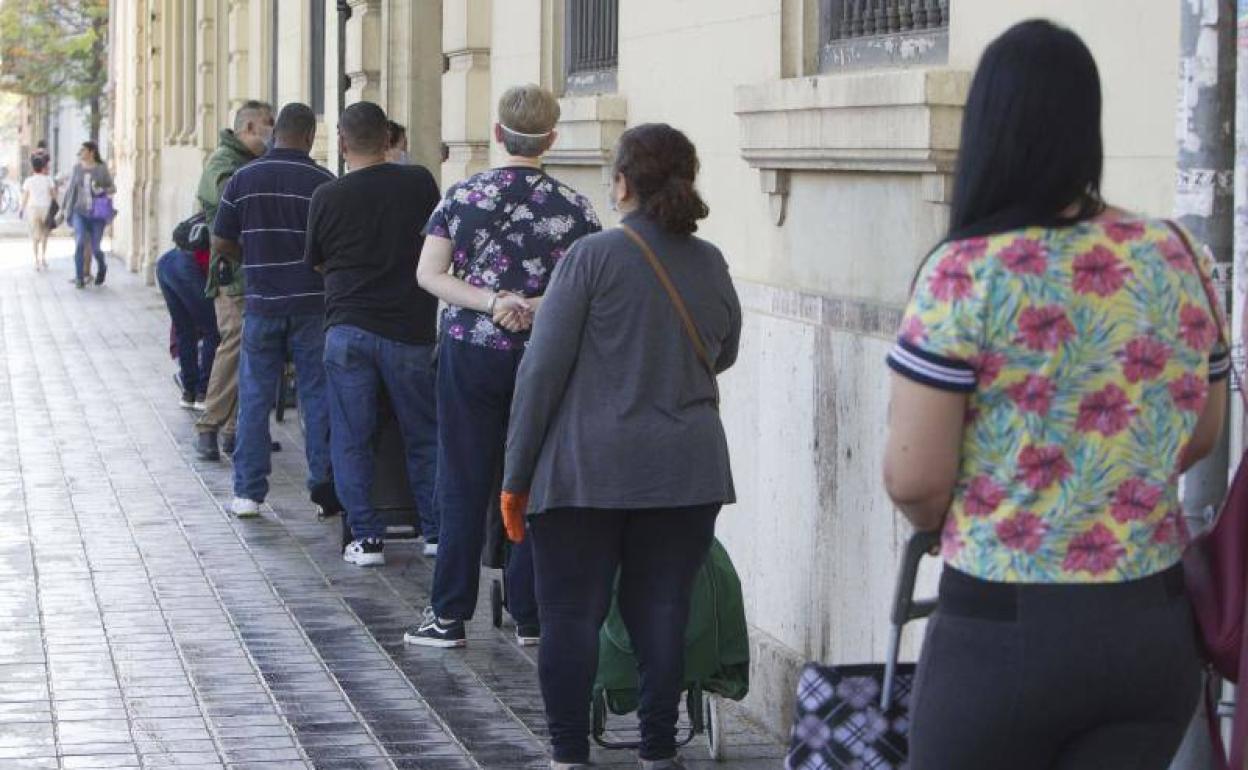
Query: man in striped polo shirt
{"points": [[262, 224]]}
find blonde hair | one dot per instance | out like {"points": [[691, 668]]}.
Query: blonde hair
{"points": [[527, 113]]}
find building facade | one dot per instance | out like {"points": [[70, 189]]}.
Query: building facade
{"points": [[827, 131]]}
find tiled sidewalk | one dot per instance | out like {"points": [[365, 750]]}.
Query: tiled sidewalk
{"points": [[142, 627]]}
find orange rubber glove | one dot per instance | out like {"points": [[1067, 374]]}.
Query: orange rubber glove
{"points": [[515, 506]]}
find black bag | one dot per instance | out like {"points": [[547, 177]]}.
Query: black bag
{"points": [[859, 715], [193, 233], [54, 210]]}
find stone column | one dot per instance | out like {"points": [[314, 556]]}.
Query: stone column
{"points": [[412, 75], [363, 55], [206, 74], [466, 124], [240, 38], [151, 138]]}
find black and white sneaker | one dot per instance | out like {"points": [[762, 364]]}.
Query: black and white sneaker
{"points": [[188, 400], [528, 634], [365, 553], [433, 632]]}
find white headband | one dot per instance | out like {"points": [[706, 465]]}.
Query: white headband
{"points": [[521, 133]]}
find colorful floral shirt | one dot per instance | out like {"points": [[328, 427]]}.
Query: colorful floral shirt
{"points": [[509, 228], [1087, 354]]}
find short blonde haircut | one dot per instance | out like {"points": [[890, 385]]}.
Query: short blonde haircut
{"points": [[528, 109]]}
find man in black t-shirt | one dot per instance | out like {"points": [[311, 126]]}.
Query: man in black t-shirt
{"points": [[364, 234]]}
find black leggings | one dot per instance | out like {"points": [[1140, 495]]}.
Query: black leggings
{"points": [[575, 555], [1068, 677]]}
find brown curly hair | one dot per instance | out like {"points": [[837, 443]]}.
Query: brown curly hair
{"points": [[661, 165]]}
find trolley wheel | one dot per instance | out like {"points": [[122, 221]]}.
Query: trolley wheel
{"points": [[598, 714], [714, 728], [496, 603]]}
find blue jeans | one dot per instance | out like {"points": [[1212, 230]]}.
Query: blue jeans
{"points": [[475, 385], [358, 365], [194, 319], [89, 230], [267, 340]]}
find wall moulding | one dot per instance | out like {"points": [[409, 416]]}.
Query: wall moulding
{"points": [[888, 121], [589, 127]]}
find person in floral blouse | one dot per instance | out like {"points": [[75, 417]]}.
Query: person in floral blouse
{"points": [[489, 251], [1059, 366]]}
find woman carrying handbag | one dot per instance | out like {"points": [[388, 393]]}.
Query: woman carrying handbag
{"points": [[88, 205], [1058, 368]]}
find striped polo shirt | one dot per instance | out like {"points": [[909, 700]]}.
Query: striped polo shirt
{"points": [[264, 207]]}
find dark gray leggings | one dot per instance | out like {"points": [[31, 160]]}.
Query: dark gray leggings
{"points": [[1063, 677]]}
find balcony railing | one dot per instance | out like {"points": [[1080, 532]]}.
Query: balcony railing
{"points": [[870, 18]]}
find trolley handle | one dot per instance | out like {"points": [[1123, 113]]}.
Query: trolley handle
{"points": [[905, 607]]}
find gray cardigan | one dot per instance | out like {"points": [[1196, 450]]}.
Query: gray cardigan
{"points": [[612, 408], [75, 201]]}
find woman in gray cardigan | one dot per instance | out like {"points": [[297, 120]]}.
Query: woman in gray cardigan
{"points": [[90, 180], [616, 450]]}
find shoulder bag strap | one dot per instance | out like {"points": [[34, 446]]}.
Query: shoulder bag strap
{"points": [[1206, 283], [691, 331]]}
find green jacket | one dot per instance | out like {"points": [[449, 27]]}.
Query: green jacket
{"points": [[231, 155]]}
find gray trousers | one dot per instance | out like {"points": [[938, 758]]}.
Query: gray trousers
{"points": [[1070, 677]]}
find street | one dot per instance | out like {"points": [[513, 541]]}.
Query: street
{"points": [[141, 626]]}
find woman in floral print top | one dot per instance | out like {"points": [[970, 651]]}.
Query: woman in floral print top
{"points": [[1059, 366], [489, 251]]}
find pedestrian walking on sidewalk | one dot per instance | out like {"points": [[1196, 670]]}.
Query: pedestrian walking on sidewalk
{"points": [[38, 193], [236, 147], [261, 226], [489, 250], [1058, 368], [364, 234], [616, 448], [90, 181]]}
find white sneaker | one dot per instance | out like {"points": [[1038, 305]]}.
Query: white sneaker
{"points": [[245, 508], [200, 406], [365, 553], [431, 550]]}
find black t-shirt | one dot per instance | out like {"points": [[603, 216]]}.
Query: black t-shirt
{"points": [[364, 230]]}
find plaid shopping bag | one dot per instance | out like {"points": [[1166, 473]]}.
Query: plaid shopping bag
{"points": [[838, 722], [858, 717]]}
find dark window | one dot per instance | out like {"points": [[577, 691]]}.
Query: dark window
{"points": [[592, 37], [882, 33], [316, 78]]}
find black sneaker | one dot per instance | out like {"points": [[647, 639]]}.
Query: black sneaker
{"points": [[188, 400], [528, 634], [434, 633], [206, 446], [326, 498]]}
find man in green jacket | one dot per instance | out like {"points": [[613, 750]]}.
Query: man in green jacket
{"points": [[253, 124]]}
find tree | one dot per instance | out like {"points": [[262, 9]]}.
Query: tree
{"points": [[56, 48]]}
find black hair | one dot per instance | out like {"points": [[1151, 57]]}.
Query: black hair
{"points": [[38, 163], [1031, 135], [661, 165], [365, 128], [94, 149], [394, 133], [295, 122]]}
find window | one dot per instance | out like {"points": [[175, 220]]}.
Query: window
{"points": [[592, 45], [883, 33], [316, 57]]}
